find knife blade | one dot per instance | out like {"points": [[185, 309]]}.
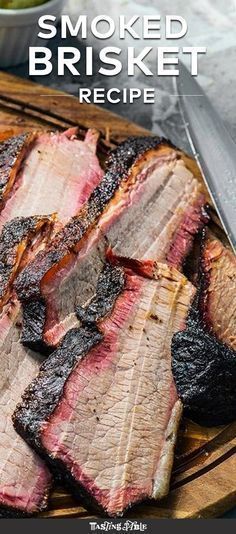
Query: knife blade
{"points": [[213, 148]]}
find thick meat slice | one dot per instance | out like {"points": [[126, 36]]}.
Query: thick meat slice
{"points": [[219, 291], [18, 241], [24, 478], [110, 414], [149, 204], [12, 153], [204, 357], [58, 174]]}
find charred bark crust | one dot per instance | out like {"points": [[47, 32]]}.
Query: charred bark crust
{"points": [[18, 231], [204, 368], [12, 152], [110, 284], [205, 374], [28, 284], [54, 372]]}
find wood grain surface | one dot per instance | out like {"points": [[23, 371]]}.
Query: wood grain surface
{"points": [[204, 476]]}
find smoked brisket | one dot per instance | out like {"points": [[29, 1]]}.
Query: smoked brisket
{"points": [[218, 291], [58, 173], [104, 409], [204, 356], [25, 480], [148, 205], [57, 176]]}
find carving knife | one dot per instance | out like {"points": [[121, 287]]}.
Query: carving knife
{"points": [[212, 146]]}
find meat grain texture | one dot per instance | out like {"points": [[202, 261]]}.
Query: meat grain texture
{"points": [[218, 299], [57, 175], [110, 414], [42, 172], [25, 480], [148, 205]]}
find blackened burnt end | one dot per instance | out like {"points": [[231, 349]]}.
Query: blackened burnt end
{"points": [[204, 370], [35, 406], [110, 284]]}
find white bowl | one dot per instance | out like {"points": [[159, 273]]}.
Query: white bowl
{"points": [[19, 29]]}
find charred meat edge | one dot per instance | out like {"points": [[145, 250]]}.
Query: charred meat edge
{"points": [[36, 408], [17, 237], [203, 367], [204, 370], [123, 165], [12, 154], [71, 238]]}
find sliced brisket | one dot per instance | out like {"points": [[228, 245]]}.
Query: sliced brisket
{"points": [[104, 407], [58, 174], [204, 357], [218, 299], [148, 205], [24, 478]]}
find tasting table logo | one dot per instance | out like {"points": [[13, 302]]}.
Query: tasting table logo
{"points": [[111, 526]]}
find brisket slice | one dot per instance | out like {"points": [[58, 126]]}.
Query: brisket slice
{"points": [[204, 357], [12, 153], [149, 204], [218, 298], [19, 238], [54, 172], [24, 479], [106, 415], [58, 174]]}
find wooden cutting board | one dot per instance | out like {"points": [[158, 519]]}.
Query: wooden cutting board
{"points": [[204, 475]]}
